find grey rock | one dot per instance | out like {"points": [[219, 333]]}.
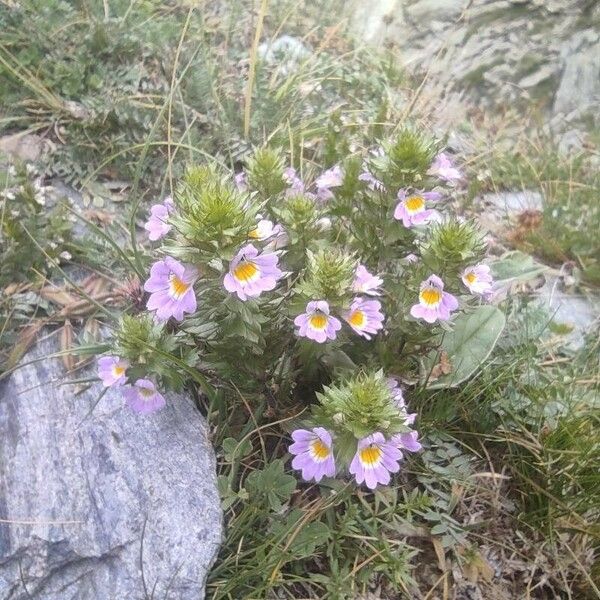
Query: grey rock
{"points": [[286, 51], [571, 142], [577, 311], [511, 204], [425, 10], [499, 51], [27, 147], [579, 88], [541, 74], [96, 501]]}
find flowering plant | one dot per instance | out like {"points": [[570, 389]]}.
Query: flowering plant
{"points": [[291, 285]]}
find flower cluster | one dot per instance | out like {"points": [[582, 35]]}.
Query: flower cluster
{"points": [[364, 316], [372, 457], [142, 396], [363, 249]]}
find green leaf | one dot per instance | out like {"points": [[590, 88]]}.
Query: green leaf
{"points": [[516, 266], [467, 346], [233, 449], [439, 529], [273, 483]]}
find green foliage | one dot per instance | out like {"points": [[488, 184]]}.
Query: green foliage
{"points": [[466, 347], [357, 407], [515, 266], [570, 185], [144, 85], [452, 243], [33, 235], [150, 349], [272, 485], [265, 172], [108, 92], [211, 217], [329, 274], [406, 159]]}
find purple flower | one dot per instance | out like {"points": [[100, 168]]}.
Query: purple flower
{"points": [[157, 225], [372, 182], [478, 279], [265, 229], [143, 397], [365, 317], [374, 460], [411, 209], [409, 419], [171, 289], [411, 259], [241, 181], [111, 369], [443, 168], [313, 453], [296, 185], [434, 303], [250, 273], [398, 399], [365, 282], [331, 178], [407, 441], [316, 323], [397, 394]]}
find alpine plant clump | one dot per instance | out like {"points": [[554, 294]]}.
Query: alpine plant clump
{"points": [[306, 287]]}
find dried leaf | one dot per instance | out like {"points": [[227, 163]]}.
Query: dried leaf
{"points": [[57, 295], [26, 338], [475, 566], [66, 343], [102, 217], [15, 288], [91, 329], [444, 367], [94, 286]]}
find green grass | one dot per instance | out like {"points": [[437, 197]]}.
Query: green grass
{"points": [[570, 187], [510, 466]]}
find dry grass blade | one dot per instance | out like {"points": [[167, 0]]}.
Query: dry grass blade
{"points": [[26, 338], [57, 295], [66, 343]]}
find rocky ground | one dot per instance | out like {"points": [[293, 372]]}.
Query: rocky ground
{"points": [[498, 53]]}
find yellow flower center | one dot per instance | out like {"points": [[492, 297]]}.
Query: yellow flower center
{"points": [[118, 371], [414, 204], [178, 286], [471, 277], [357, 318], [145, 392], [254, 234], [318, 320], [246, 271], [319, 450], [431, 296], [370, 456]]}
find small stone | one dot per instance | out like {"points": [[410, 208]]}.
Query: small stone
{"points": [[286, 51], [511, 204], [575, 311], [26, 147]]}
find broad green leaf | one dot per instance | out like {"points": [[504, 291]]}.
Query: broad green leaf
{"points": [[516, 266], [467, 346]]}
